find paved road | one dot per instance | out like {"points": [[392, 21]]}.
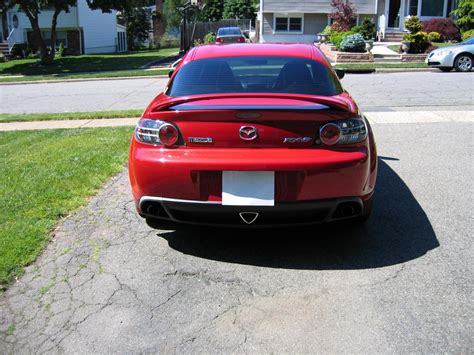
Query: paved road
{"points": [[402, 284], [374, 92]]}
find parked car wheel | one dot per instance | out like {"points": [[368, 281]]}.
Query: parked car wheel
{"points": [[463, 62]]}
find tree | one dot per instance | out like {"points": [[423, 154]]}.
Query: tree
{"points": [[33, 8], [239, 9], [343, 15], [464, 14], [137, 20], [171, 16], [213, 10]]}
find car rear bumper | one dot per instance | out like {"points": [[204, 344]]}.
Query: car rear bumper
{"points": [[300, 174], [282, 214]]}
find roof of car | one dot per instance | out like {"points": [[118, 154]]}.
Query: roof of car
{"points": [[299, 50]]}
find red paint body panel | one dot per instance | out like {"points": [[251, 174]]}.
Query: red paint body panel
{"points": [[304, 171]]}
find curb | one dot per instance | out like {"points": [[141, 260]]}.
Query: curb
{"points": [[388, 70], [49, 81]]}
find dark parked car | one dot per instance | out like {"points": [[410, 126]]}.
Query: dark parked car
{"points": [[230, 35]]}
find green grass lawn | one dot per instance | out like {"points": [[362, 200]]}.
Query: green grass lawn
{"points": [[85, 63], [20, 117], [105, 74], [46, 175], [396, 47], [369, 66]]}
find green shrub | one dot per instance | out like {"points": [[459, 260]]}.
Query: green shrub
{"points": [[367, 29], [434, 37], [337, 37], [419, 42], [353, 43], [2, 58], [168, 41], [413, 24], [327, 31], [468, 34], [210, 38]]}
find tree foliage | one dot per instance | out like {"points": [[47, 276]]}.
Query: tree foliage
{"points": [[137, 20], [343, 15], [464, 14], [239, 9], [171, 16], [213, 10]]}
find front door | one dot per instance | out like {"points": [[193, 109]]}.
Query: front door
{"points": [[395, 12]]}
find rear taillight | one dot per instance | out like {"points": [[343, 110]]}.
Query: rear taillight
{"points": [[343, 132], [156, 132], [219, 40], [241, 40]]}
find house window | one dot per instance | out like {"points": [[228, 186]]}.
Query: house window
{"points": [[296, 24], [281, 24], [289, 24], [432, 8], [61, 37]]}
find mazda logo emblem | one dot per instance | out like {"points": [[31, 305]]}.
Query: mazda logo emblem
{"points": [[248, 133]]}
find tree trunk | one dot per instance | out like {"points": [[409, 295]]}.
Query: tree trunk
{"points": [[46, 54]]}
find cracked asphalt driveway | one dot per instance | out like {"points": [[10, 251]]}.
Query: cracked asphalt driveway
{"points": [[403, 283]]}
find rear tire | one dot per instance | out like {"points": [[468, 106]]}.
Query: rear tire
{"points": [[463, 63]]}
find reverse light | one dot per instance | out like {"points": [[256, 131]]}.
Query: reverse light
{"points": [[343, 132], [156, 132]]}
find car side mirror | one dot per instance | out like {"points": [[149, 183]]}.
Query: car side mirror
{"points": [[340, 73], [170, 73]]}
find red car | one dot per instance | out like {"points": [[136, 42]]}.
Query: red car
{"points": [[253, 135]]}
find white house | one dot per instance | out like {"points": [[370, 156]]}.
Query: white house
{"points": [[81, 31], [301, 20]]}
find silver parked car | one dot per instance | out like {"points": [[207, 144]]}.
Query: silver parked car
{"points": [[230, 35], [459, 57]]}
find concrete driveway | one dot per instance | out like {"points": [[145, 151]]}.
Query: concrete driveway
{"points": [[403, 283]]}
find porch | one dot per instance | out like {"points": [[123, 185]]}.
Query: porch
{"points": [[392, 14]]}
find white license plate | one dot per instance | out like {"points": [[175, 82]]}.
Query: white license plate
{"points": [[248, 188]]}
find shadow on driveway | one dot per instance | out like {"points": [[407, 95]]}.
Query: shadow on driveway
{"points": [[398, 231]]}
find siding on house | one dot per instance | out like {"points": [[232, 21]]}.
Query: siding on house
{"points": [[312, 25], [99, 29], [315, 6], [65, 19]]}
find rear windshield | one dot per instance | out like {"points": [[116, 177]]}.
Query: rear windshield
{"points": [[231, 31], [254, 75]]}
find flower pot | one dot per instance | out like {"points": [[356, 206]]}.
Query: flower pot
{"points": [[405, 46], [369, 45], [322, 37]]}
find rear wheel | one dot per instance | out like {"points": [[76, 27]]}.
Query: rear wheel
{"points": [[463, 62]]}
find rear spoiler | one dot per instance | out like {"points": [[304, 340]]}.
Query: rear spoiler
{"points": [[319, 102]]}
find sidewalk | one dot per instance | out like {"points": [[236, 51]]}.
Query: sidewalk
{"points": [[95, 123]]}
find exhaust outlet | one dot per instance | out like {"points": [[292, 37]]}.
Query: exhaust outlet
{"points": [[348, 211]]}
